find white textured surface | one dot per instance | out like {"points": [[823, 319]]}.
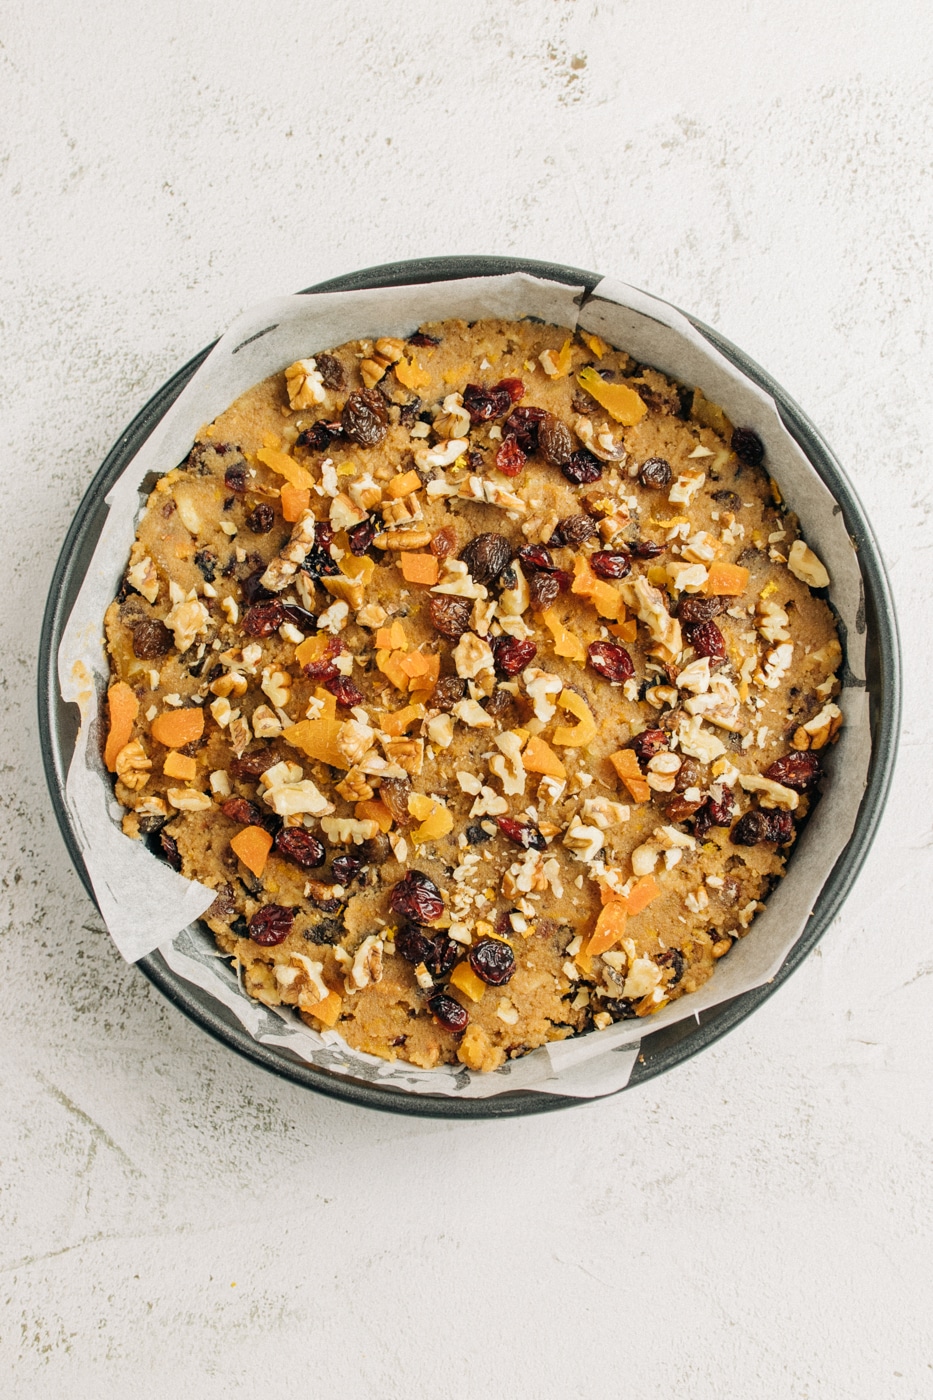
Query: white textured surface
{"points": [[756, 1224]]}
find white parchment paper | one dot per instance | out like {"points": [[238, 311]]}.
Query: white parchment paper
{"points": [[145, 905]]}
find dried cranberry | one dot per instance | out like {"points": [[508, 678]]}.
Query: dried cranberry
{"points": [[271, 925], [239, 809], [423, 341], [253, 590], [611, 660], [444, 542], [693, 609], [447, 692], [648, 743], [493, 961], [800, 771], [165, 847], [360, 537], [346, 692], [331, 371], [323, 668], [714, 813], [542, 591], [644, 549], [448, 1013], [345, 868], [582, 467], [758, 826], [611, 563], [450, 615], [706, 640], [554, 441], [575, 529], [524, 834], [655, 473], [486, 556], [413, 944], [416, 897], [262, 619], [748, 447], [515, 388], [523, 424], [443, 956], [365, 418], [536, 558], [510, 459], [512, 654], [299, 845], [300, 616], [151, 639], [261, 520], [236, 478], [319, 436], [482, 404], [395, 793]]}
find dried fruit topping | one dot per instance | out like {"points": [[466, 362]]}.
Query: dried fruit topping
{"points": [[347, 694], [688, 775], [574, 530], [611, 660], [486, 556], [510, 459], [447, 692], [648, 743], [655, 473], [444, 542], [483, 403], [542, 591], [151, 639], [748, 447], [674, 959], [323, 668], [581, 467], [365, 418], [450, 615], [524, 834], [679, 808], [800, 771], [331, 371], [300, 616], [236, 478], [239, 809], [523, 425], [442, 958], [512, 655], [554, 441], [706, 640], [206, 561], [729, 499], [644, 549], [611, 563], [416, 897], [360, 537], [319, 436], [423, 341], [515, 388], [536, 558], [498, 703], [164, 846], [413, 944], [345, 868], [714, 814], [448, 1013], [299, 845], [262, 619], [395, 793], [694, 609], [323, 896], [757, 826], [261, 520], [493, 961], [477, 834], [317, 562], [254, 763], [271, 925], [253, 590]]}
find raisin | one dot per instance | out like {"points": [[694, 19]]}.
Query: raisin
{"points": [[416, 897], [360, 537], [224, 905], [706, 640], [610, 660], [611, 563], [448, 1013], [325, 932], [524, 834], [345, 869], [239, 809], [261, 520], [575, 530], [486, 556], [254, 763], [206, 561], [262, 619], [331, 371], [748, 447], [620, 1008], [413, 944], [680, 808], [236, 478], [499, 703], [317, 563], [645, 549], [757, 826], [508, 578], [482, 404], [395, 793], [346, 692], [523, 424], [536, 558], [512, 654], [554, 441], [408, 412], [319, 436], [493, 961], [648, 743], [253, 590], [729, 499], [450, 615], [150, 824], [674, 959], [443, 956], [239, 927], [323, 896], [165, 847], [299, 845], [515, 388], [655, 473], [688, 775], [423, 340], [581, 467], [714, 813], [444, 542], [694, 610], [271, 925], [510, 459], [477, 834], [800, 771], [150, 639], [365, 417], [447, 692], [542, 591], [300, 616]]}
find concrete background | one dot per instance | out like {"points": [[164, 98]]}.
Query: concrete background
{"points": [[175, 1221]]}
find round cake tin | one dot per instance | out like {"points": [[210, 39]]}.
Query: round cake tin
{"points": [[660, 1050]]}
